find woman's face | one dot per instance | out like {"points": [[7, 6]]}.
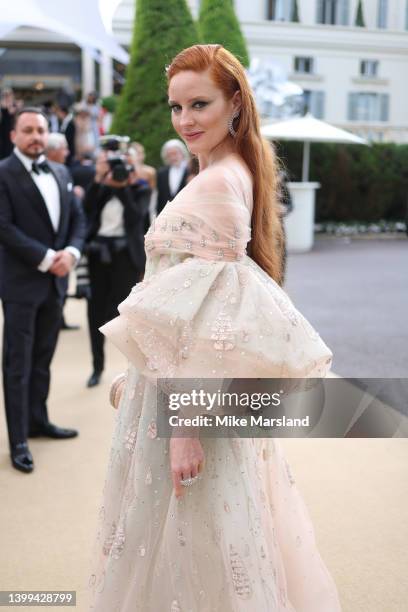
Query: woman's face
{"points": [[199, 111]]}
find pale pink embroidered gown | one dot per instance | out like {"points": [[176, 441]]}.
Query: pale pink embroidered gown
{"points": [[241, 539]]}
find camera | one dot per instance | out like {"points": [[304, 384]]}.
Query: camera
{"points": [[117, 149]]}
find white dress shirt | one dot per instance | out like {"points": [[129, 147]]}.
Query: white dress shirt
{"points": [[175, 176], [48, 187]]}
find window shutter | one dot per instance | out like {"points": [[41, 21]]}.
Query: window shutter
{"points": [[384, 107], [319, 104], [288, 10], [319, 15], [342, 17], [352, 106]]}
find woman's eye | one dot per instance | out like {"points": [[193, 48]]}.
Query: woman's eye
{"points": [[199, 104]]}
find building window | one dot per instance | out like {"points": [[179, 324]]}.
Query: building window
{"points": [[333, 12], [314, 103], [368, 107], [382, 13], [369, 68], [281, 10], [304, 65], [406, 15]]}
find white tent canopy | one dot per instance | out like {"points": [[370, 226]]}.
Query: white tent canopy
{"points": [[79, 20], [307, 129]]}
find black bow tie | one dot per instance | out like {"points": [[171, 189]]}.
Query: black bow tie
{"points": [[42, 167]]}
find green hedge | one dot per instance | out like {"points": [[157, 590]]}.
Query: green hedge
{"points": [[358, 183]]}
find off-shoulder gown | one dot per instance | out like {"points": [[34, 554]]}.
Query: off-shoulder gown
{"points": [[240, 539]]}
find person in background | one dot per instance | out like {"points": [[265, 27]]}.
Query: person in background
{"points": [[83, 171], [137, 151], [94, 109], [108, 105], [86, 141], [67, 127], [83, 174], [57, 148], [8, 109], [172, 177], [149, 174], [42, 231], [116, 212], [50, 111], [58, 151]]}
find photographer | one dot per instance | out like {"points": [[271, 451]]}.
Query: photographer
{"points": [[8, 108], [116, 205]]}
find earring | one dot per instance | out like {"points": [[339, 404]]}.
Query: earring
{"points": [[231, 126]]}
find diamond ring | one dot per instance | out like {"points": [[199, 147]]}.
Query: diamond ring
{"points": [[187, 482]]}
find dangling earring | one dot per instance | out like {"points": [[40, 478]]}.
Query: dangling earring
{"points": [[230, 124]]}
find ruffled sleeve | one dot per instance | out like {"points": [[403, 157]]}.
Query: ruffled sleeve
{"points": [[216, 314], [216, 319]]}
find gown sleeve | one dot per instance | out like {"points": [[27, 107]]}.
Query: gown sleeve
{"points": [[216, 314]]}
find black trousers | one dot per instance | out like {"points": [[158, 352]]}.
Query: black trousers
{"points": [[30, 335], [110, 283]]}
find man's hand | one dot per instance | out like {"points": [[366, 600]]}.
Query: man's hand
{"points": [[79, 192], [63, 263]]}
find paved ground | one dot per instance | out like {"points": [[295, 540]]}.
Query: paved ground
{"points": [[356, 490], [356, 295]]}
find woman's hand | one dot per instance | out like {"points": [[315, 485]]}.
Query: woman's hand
{"points": [[186, 461]]}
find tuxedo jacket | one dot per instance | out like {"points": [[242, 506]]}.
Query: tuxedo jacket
{"points": [[135, 199], [163, 187], [26, 231]]}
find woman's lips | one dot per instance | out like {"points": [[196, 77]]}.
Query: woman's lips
{"points": [[193, 135]]}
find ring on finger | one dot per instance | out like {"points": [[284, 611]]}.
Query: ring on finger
{"points": [[187, 482]]}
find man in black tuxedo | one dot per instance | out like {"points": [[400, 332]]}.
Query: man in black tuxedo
{"points": [[172, 177], [42, 230]]}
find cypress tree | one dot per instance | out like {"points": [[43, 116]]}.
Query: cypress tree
{"points": [[360, 15], [162, 28], [219, 24]]}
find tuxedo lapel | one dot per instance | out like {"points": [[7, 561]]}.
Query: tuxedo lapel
{"points": [[62, 188], [25, 183]]}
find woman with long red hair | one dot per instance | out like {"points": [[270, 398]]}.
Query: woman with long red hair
{"points": [[192, 523]]}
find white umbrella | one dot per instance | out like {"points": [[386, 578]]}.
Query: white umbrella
{"points": [[308, 129]]}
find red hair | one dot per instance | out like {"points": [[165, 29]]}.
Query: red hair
{"points": [[266, 246]]}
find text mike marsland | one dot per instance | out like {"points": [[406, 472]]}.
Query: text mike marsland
{"points": [[253, 420]]}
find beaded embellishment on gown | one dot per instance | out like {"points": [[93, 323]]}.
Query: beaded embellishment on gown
{"points": [[240, 539]]}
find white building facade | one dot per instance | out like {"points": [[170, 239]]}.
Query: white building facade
{"points": [[355, 77]]}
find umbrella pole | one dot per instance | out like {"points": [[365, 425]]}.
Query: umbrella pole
{"points": [[306, 162]]}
